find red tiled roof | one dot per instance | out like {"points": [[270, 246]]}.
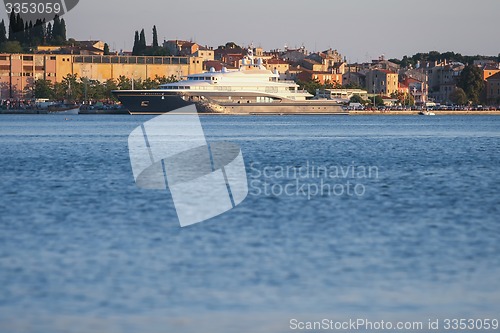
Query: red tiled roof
{"points": [[277, 61], [385, 71], [312, 61]]}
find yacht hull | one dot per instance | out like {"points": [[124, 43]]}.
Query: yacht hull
{"points": [[150, 103], [154, 102]]}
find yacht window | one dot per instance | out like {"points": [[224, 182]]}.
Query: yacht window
{"points": [[144, 104]]}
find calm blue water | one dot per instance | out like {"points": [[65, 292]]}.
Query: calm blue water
{"points": [[82, 249]]}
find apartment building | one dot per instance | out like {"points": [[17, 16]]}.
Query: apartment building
{"points": [[18, 72], [382, 81]]}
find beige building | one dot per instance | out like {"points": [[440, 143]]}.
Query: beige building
{"points": [[382, 82], [277, 65], [207, 54], [19, 71], [442, 78]]}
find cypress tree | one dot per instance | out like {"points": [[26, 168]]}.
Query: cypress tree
{"points": [[19, 30], [56, 30], [49, 33], [31, 35], [43, 32], [155, 37], [12, 24], [142, 42], [26, 36], [106, 49], [62, 32], [135, 50], [3, 32], [37, 32]]}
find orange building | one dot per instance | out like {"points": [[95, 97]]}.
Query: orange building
{"points": [[321, 77], [490, 70], [18, 72]]}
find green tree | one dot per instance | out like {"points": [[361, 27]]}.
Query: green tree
{"points": [[135, 49], [379, 101], [357, 99], [19, 31], [458, 96], [142, 42], [39, 35], [58, 35], [95, 90], [44, 89], [48, 34], [158, 51], [311, 86], [11, 47], [62, 31], [109, 86], [26, 34], [3, 32], [72, 88], [12, 26], [471, 81], [106, 49], [404, 98], [56, 31], [163, 79], [124, 83], [155, 37]]}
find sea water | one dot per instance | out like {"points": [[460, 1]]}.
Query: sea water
{"points": [[384, 218]]}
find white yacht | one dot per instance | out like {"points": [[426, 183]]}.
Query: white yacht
{"points": [[250, 89]]}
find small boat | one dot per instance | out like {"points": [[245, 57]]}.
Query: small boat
{"points": [[64, 109], [426, 113]]}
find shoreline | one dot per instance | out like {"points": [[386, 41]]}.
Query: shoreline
{"points": [[436, 112], [349, 113]]}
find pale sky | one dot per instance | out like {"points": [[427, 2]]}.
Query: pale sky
{"points": [[359, 29]]}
